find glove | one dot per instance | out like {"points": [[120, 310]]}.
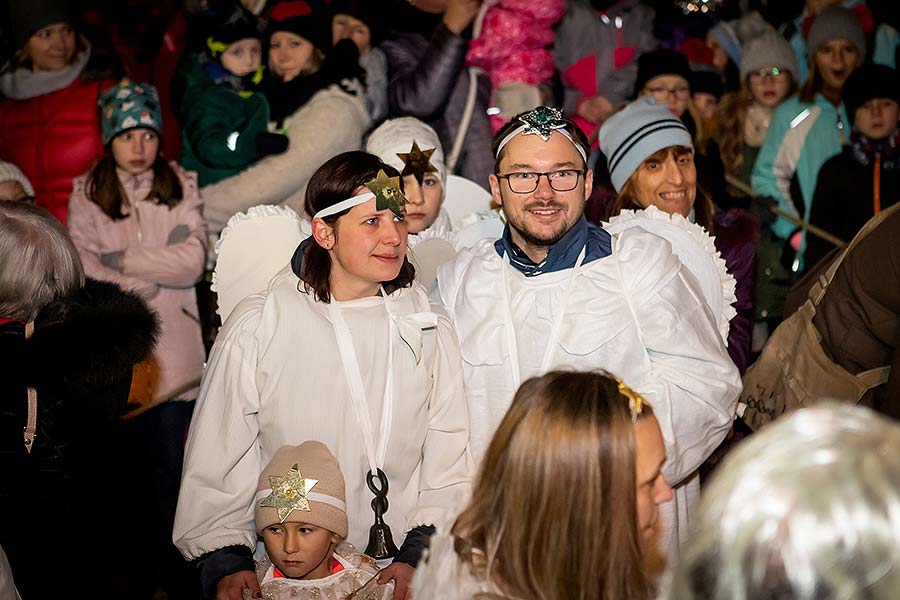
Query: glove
{"points": [[342, 62], [270, 143], [112, 260], [178, 235]]}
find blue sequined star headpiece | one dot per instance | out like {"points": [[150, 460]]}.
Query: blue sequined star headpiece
{"points": [[542, 121]]}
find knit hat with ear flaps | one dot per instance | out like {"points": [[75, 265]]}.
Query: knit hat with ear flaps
{"points": [[395, 136], [311, 493], [868, 82], [836, 23], [637, 131], [229, 23], [129, 105], [26, 17], [768, 50], [10, 172], [661, 62]]}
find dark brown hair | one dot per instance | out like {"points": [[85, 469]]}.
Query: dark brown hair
{"points": [[337, 180], [574, 131], [704, 210], [105, 189], [552, 513]]}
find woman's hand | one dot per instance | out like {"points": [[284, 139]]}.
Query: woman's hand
{"points": [[231, 587], [460, 14], [402, 575]]}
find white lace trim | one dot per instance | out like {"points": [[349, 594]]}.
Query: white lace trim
{"points": [[629, 218]]}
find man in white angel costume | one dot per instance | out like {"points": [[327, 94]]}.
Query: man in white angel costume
{"points": [[645, 298]]}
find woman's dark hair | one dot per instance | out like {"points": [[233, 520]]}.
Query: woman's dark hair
{"points": [[337, 180], [105, 189]]}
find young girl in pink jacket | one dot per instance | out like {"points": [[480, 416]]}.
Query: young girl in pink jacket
{"points": [[136, 220]]}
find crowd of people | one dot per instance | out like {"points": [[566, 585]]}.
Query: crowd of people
{"points": [[410, 299]]}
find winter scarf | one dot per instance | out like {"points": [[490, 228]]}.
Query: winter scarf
{"points": [[563, 254], [864, 150]]}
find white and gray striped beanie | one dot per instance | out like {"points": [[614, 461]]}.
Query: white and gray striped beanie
{"points": [[637, 131]]}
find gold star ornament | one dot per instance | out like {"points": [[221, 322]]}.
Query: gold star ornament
{"points": [[417, 162], [387, 193], [289, 493]]}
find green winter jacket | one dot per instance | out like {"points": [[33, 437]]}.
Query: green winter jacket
{"points": [[219, 124], [801, 138]]}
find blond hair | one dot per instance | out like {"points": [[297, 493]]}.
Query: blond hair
{"points": [[807, 509], [553, 515]]}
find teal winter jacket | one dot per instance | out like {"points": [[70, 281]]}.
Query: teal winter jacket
{"points": [[801, 137]]}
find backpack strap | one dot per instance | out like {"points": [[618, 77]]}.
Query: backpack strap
{"points": [[817, 292]]}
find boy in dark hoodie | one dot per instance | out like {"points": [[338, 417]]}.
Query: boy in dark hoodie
{"points": [[865, 177]]}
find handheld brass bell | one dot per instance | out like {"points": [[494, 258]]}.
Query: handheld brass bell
{"points": [[381, 541]]}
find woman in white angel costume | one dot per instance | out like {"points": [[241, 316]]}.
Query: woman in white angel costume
{"points": [[645, 298], [341, 347]]}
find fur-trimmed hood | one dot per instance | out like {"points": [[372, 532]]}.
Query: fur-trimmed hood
{"points": [[88, 340]]}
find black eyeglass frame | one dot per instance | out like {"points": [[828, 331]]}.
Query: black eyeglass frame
{"points": [[537, 181]]}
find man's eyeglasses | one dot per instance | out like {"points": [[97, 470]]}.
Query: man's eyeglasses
{"points": [[661, 94], [763, 73], [527, 181]]}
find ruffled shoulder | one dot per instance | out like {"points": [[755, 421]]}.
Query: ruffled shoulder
{"points": [[252, 248], [696, 250], [443, 575]]}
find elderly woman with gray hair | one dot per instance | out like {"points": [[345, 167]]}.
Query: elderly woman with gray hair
{"points": [[67, 348], [807, 509]]}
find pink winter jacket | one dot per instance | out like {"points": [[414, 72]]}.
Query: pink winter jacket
{"points": [[164, 275]]}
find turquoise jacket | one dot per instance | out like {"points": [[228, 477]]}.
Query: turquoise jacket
{"points": [[800, 139]]}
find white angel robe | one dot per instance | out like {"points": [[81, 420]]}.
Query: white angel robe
{"points": [[275, 377], [638, 313]]}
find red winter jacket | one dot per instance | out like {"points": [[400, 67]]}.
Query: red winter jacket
{"points": [[53, 138]]}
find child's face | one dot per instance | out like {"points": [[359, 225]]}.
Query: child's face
{"points": [[344, 26], [836, 60], [769, 86], [706, 104], [135, 150], [242, 57], [288, 54], [672, 90], [877, 118], [299, 550], [12, 190], [424, 201], [652, 487]]}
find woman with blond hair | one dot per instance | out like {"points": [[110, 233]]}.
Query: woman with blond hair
{"points": [[572, 472]]}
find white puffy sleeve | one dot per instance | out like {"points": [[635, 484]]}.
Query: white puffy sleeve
{"points": [[692, 383], [447, 466], [222, 459]]}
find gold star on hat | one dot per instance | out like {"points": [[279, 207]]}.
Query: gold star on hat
{"points": [[289, 493], [387, 193], [417, 162]]}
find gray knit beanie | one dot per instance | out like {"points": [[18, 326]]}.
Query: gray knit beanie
{"points": [[835, 23], [768, 50], [637, 131], [10, 172]]}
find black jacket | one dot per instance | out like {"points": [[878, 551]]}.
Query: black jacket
{"points": [[60, 504], [843, 201]]}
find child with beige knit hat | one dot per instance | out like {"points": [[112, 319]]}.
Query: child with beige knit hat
{"points": [[301, 517]]}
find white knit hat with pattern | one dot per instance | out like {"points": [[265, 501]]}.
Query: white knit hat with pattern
{"points": [[395, 136]]}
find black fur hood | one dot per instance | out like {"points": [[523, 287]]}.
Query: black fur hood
{"points": [[90, 339]]}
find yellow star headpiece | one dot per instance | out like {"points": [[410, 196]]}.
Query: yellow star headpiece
{"points": [[636, 402], [289, 493], [417, 162], [387, 193]]}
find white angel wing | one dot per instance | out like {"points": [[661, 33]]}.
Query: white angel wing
{"points": [[252, 248], [697, 251]]}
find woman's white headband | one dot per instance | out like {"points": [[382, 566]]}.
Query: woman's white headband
{"points": [[344, 205], [542, 121]]}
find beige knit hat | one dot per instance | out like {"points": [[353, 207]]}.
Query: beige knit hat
{"points": [[302, 484]]}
